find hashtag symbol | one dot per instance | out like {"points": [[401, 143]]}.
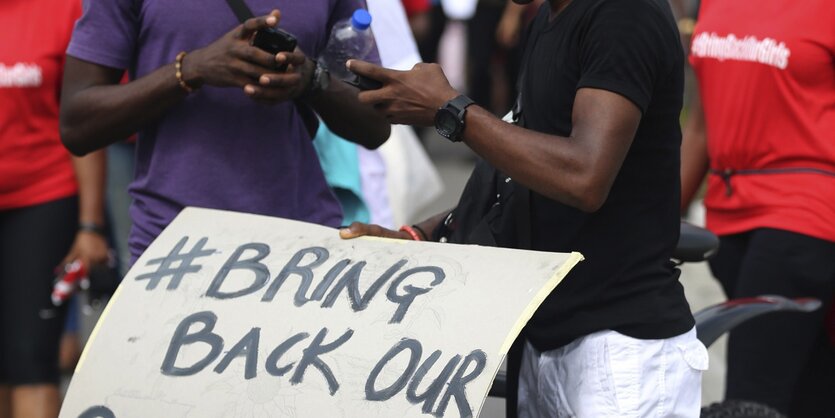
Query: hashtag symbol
{"points": [[176, 264]]}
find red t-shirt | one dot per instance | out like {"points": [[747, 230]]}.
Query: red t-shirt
{"points": [[766, 72], [414, 7], [34, 166]]}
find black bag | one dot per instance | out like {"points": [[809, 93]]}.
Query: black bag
{"points": [[493, 211]]}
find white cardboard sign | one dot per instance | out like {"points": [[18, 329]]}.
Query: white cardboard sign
{"points": [[235, 315]]}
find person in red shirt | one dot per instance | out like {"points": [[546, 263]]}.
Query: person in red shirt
{"points": [[51, 209], [415, 7], [765, 133]]}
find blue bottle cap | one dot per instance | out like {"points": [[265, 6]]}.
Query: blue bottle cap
{"points": [[361, 19]]}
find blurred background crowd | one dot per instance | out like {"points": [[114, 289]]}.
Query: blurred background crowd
{"points": [[415, 174]]}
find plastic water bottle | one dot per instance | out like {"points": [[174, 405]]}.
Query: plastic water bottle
{"points": [[350, 38]]}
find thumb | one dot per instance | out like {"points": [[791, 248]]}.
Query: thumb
{"points": [[370, 70], [355, 230], [254, 24]]}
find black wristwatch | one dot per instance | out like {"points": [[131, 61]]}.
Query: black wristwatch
{"points": [[449, 119], [319, 81]]}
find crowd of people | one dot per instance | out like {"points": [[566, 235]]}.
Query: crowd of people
{"points": [[592, 158]]}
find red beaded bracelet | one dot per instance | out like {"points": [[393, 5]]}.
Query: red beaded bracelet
{"points": [[411, 231]]}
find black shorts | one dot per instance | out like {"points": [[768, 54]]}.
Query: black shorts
{"points": [[33, 241]]}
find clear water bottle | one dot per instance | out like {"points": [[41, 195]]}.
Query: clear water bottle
{"points": [[350, 38]]}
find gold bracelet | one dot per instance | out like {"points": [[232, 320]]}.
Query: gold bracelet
{"points": [[178, 64]]}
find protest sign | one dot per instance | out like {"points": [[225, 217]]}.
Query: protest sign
{"points": [[235, 315]]}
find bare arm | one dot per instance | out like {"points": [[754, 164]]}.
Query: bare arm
{"points": [[97, 111], [90, 247], [578, 170], [90, 172], [694, 157], [358, 229], [342, 111], [507, 32]]}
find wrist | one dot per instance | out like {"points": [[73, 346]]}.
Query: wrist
{"points": [[445, 97], [421, 232], [92, 227], [317, 80], [308, 70], [450, 118], [190, 70], [413, 233]]}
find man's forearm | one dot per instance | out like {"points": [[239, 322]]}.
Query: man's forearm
{"points": [[694, 156], [96, 111], [547, 164], [347, 117], [94, 116], [90, 174], [578, 170]]}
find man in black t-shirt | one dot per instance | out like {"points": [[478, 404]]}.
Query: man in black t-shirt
{"points": [[591, 165]]}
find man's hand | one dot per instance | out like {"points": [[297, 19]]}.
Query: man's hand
{"points": [[89, 247], [407, 97], [358, 229], [231, 61], [279, 87]]}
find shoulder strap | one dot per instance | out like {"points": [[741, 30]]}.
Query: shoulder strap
{"points": [[240, 9], [529, 42]]}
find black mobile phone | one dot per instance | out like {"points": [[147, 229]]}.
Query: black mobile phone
{"points": [[364, 83], [274, 40]]}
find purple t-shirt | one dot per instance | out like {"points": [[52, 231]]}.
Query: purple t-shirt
{"points": [[217, 148]]}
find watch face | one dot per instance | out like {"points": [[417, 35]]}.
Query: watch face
{"points": [[446, 123]]}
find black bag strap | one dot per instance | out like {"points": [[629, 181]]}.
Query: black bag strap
{"points": [[522, 220], [240, 9]]}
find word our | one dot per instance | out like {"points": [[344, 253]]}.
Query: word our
{"points": [[450, 383]]}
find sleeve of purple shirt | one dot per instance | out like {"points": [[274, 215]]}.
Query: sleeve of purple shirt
{"points": [[106, 33]]}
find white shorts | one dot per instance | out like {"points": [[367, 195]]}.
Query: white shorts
{"points": [[607, 374]]}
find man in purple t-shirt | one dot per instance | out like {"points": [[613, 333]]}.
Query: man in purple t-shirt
{"points": [[228, 130]]}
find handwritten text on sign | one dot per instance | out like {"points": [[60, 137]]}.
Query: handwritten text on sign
{"points": [[240, 315]]}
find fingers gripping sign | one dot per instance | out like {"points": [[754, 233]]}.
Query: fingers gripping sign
{"points": [[407, 97], [358, 229]]}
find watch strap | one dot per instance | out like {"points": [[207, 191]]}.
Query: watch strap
{"points": [[460, 105], [317, 82]]}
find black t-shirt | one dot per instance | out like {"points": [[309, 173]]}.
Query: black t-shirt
{"points": [[627, 282]]}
